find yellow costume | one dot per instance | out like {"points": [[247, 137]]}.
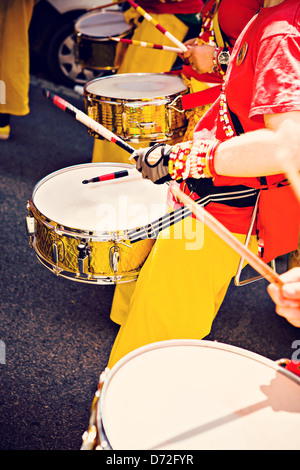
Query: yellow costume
{"points": [[181, 285], [170, 301], [123, 292], [15, 16], [139, 59]]}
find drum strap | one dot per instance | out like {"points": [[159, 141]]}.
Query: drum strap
{"points": [[200, 98], [237, 196]]}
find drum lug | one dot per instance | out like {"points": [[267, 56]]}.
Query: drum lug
{"points": [[83, 259], [58, 253], [30, 225], [125, 133], [103, 377], [146, 125], [89, 438], [55, 253], [31, 228], [114, 258]]}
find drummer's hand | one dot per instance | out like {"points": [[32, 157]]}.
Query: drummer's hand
{"points": [[200, 57], [287, 298], [152, 162], [190, 42]]}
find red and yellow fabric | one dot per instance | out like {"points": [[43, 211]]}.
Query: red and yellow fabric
{"points": [[173, 7], [15, 17], [221, 19], [231, 25], [264, 78], [180, 290]]}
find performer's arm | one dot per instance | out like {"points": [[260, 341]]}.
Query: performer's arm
{"points": [[262, 152], [287, 298]]}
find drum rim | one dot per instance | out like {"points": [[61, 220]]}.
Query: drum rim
{"points": [[201, 343], [101, 38], [80, 165], [140, 74], [73, 232], [118, 235], [110, 373]]}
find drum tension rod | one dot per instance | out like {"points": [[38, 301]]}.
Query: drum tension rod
{"points": [[83, 258], [114, 257]]}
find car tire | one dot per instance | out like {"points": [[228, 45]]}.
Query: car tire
{"points": [[61, 59]]}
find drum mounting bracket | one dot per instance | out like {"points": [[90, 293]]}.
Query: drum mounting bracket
{"points": [[171, 105], [114, 257], [83, 258]]}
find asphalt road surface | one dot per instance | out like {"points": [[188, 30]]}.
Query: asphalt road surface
{"points": [[57, 334]]}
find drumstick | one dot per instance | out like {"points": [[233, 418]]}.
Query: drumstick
{"points": [[108, 176], [149, 18], [87, 121], [107, 5], [149, 45], [219, 229]]}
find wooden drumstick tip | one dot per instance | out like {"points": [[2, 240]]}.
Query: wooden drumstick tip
{"points": [[107, 177]]}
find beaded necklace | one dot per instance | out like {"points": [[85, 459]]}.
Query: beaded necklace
{"points": [[223, 113]]}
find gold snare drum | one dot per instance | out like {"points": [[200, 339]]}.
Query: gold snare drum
{"points": [[80, 232], [94, 48], [138, 107]]}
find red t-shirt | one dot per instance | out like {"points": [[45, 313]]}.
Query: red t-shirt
{"points": [[264, 79], [183, 7], [235, 14]]}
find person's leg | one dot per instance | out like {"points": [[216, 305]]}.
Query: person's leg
{"points": [[179, 290], [15, 17], [122, 296]]}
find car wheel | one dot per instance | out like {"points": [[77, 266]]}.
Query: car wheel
{"points": [[61, 59]]}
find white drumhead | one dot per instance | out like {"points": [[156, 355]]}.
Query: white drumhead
{"points": [[136, 86], [101, 24], [120, 204], [189, 394]]}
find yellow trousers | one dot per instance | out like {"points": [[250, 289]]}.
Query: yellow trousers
{"points": [[105, 151], [142, 60], [179, 290], [15, 16]]}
